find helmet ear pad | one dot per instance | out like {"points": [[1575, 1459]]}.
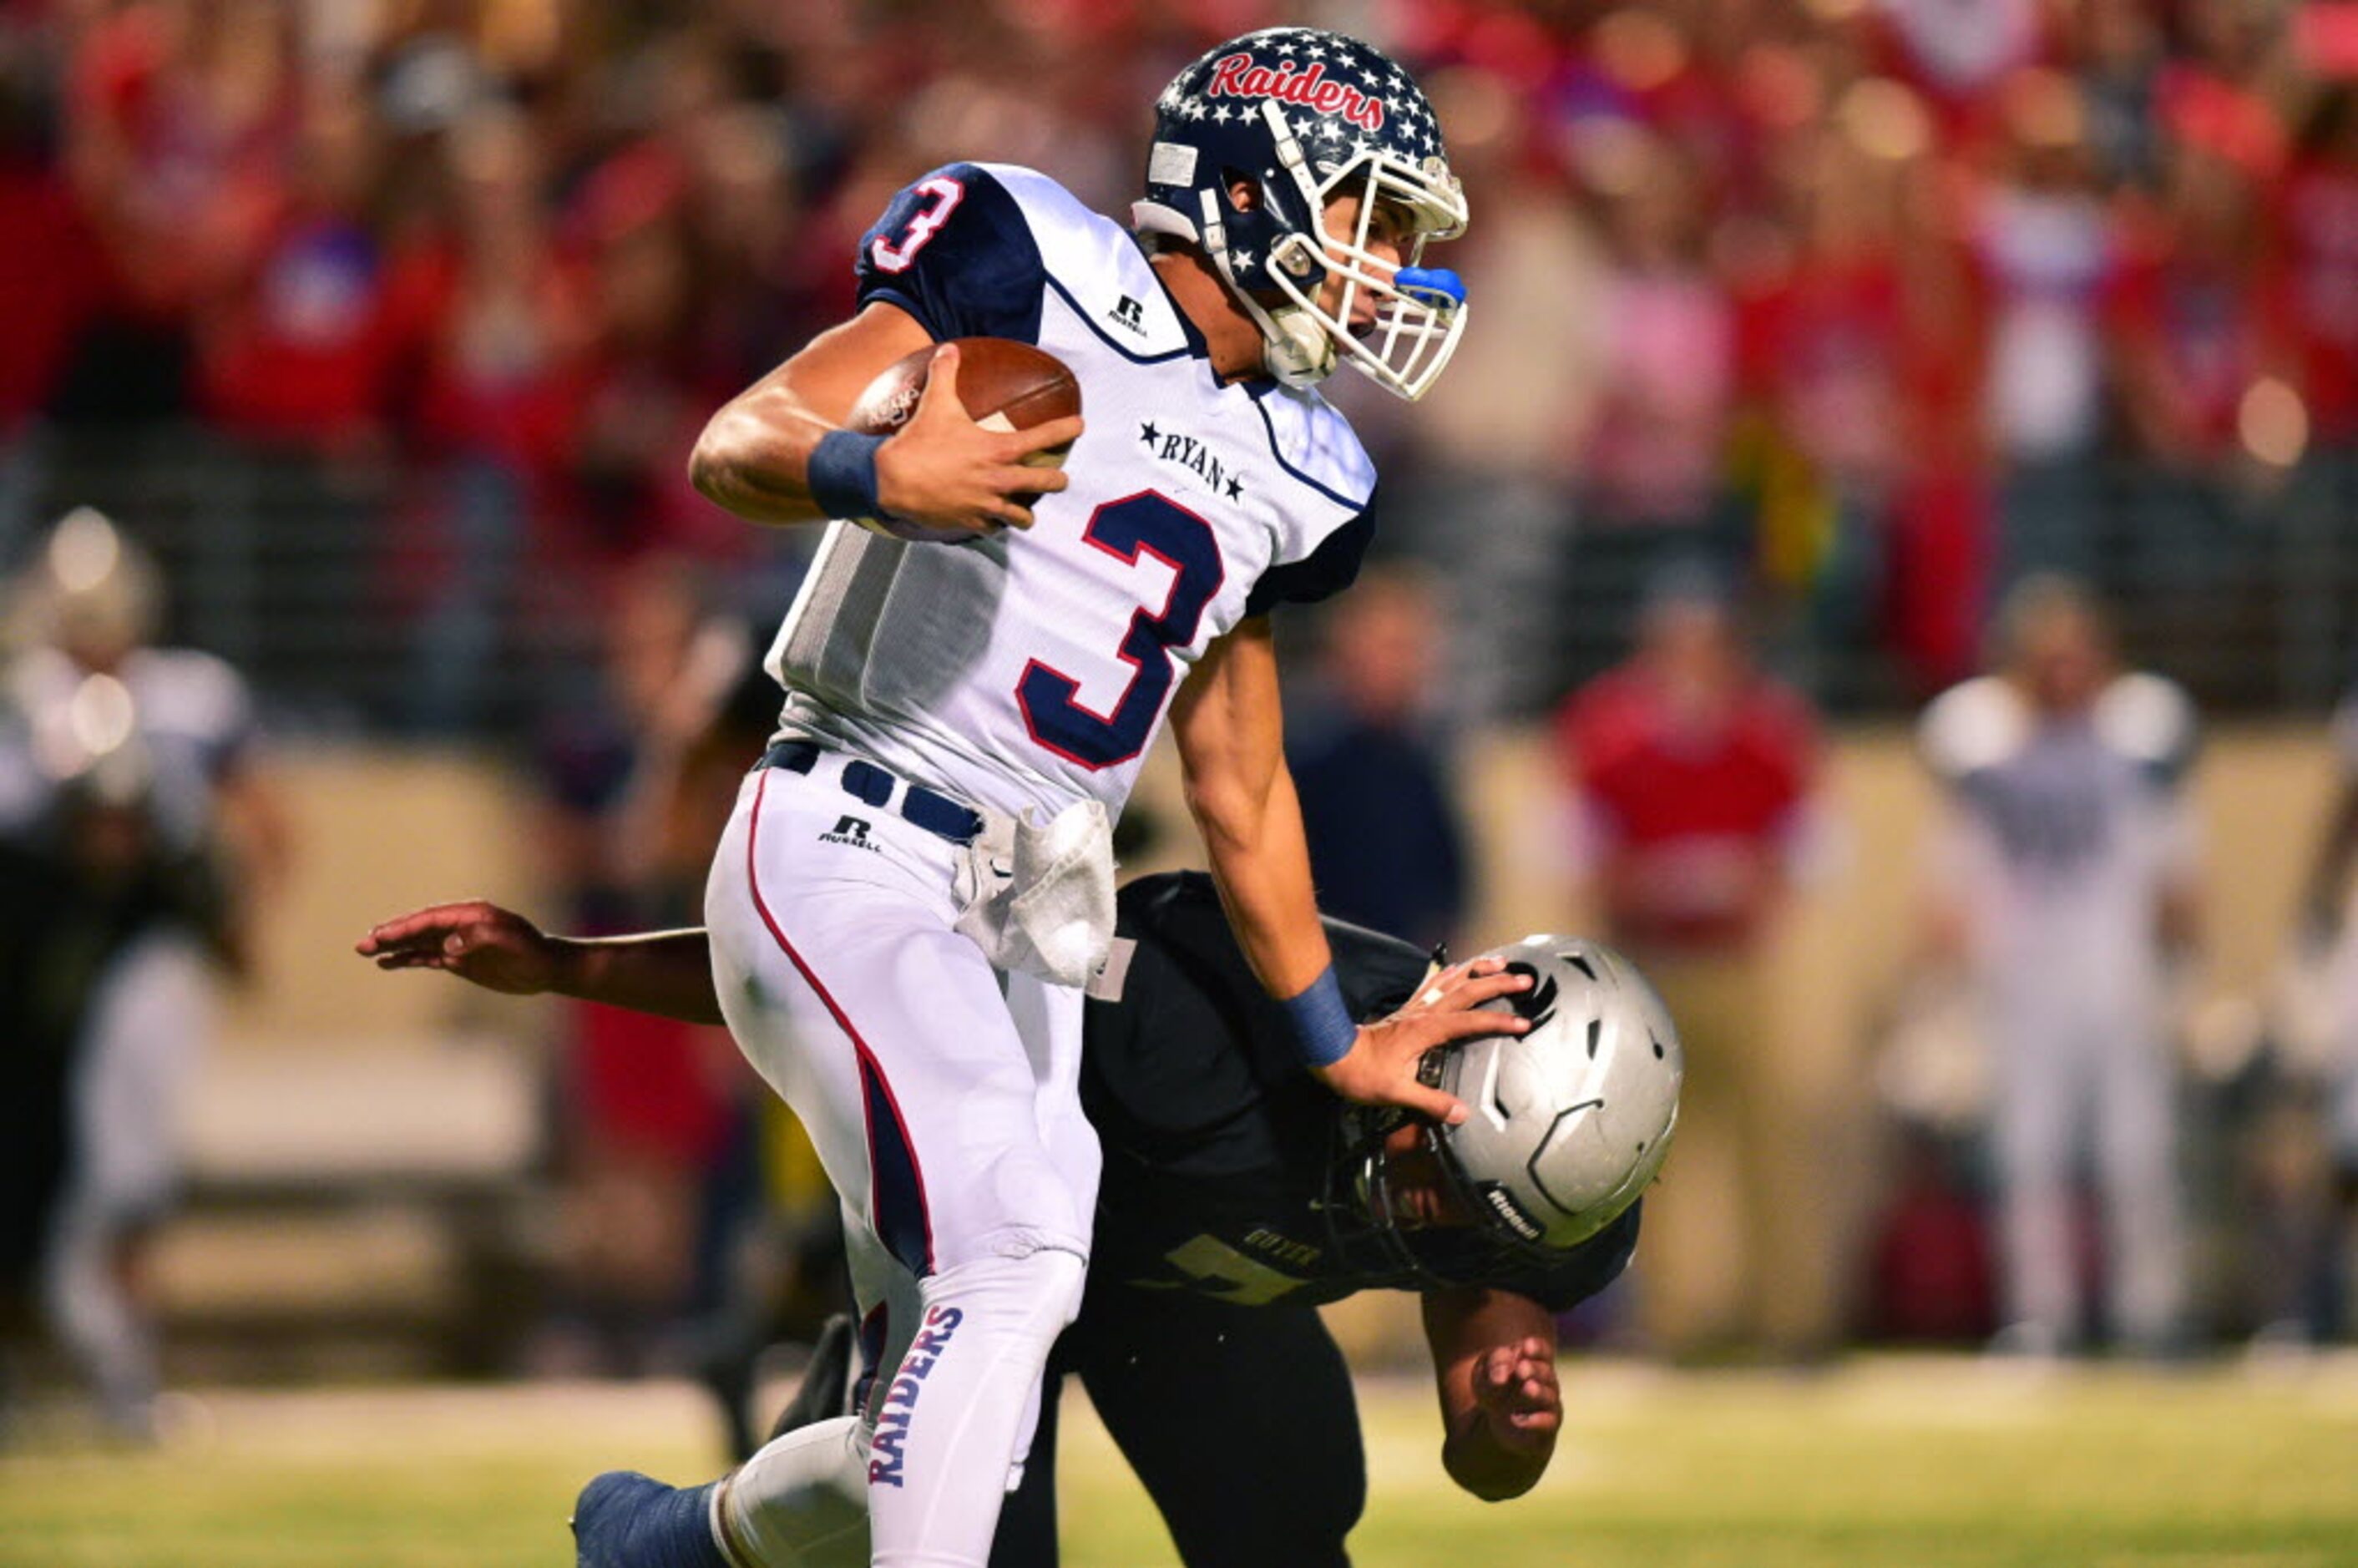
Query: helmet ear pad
{"points": [[1258, 226]]}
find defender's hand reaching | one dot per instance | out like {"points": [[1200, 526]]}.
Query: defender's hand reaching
{"points": [[1515, 1391], [481, 942], [941, 470], [1381, 1066]]}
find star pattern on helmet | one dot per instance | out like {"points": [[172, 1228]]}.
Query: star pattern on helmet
{"points": [[1409, 130], [1241, 260]]}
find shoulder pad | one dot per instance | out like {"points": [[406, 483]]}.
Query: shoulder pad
{"points": [[1314, 443], [1977, 725], [2151, 721]]}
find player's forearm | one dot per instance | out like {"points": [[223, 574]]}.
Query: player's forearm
{"points": [[668, 973], [753, 459], [1229, 723], [1494, 1367], [1260, 861]]}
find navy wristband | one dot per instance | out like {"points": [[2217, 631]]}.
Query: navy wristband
{"points": [[842, 474], [1322, 1029]]}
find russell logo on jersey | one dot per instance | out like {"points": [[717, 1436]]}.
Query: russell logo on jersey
{"points": [[1171, 447], [851, 832], [1128, 315]]}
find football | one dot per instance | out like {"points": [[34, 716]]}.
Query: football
{"points": [[1003, 385]]}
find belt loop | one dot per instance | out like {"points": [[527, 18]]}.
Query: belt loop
{"points": [[867, 782]]}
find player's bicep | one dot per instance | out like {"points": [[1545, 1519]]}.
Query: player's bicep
{"points": [[827, 375]]}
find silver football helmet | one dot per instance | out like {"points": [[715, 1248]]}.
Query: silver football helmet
{"points": [[1571, 1121]]}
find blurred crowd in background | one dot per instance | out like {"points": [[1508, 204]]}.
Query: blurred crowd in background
{"points": [[1806, 333], [1874, 304]]}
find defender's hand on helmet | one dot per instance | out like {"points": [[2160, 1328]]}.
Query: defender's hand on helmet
{"points": [[943, 471], [493, 948], [1515, 1390], [1382, 1065]]}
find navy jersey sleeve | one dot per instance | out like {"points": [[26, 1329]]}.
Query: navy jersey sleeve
{"points": [[954, 250], [1324, 573]]}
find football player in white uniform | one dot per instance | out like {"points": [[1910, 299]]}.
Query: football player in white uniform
{"points": [[2067, 886], [917, 878]]}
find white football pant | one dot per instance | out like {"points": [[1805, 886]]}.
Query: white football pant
{"points": [[942, 1099]]}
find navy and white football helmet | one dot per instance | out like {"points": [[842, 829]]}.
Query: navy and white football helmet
{"points": [[1304, 117]]}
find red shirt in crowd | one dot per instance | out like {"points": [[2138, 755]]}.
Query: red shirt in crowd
{"points": [[1693, 814], [50, 275], [2316, 291]]}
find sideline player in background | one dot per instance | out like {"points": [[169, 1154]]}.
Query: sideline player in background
{"points": [[1238, 1197], [91, 687], [917, 876], [2065, 885]]}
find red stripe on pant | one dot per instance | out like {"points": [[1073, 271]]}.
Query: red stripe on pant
{"points": [[897, 1210]]}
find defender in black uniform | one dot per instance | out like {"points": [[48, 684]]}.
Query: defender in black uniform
{"points": [[1238, 1195], [1226, 1215]]}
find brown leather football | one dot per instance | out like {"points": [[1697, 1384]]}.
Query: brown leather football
{"points": [[1004, 385]]}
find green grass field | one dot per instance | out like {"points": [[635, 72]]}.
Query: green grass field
{"points": [[1899, 1461]]}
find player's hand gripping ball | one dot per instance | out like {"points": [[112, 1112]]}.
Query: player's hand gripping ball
{"points": [[1003, 385]]}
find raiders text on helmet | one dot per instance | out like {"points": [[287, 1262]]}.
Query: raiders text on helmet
{"points": [[1304, 117]]}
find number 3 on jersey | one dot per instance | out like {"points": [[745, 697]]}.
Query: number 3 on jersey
{"points": [[942, 195], [1144, 524]]}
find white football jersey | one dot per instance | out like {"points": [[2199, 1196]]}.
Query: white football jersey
{"points": [[1033, 668], [2065, 833]]}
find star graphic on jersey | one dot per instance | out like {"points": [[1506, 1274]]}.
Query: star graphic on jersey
{"points": [[1220, 114], [1236, 490], [1285, 48], [1317, 51], [1148, 433]]}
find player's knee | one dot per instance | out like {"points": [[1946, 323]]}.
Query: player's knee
{"points": [[1028, 1294], [801, 1502]]}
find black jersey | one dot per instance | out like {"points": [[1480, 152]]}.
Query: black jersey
{"points": [[1218, 1144]]}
